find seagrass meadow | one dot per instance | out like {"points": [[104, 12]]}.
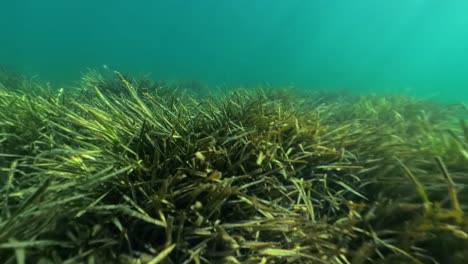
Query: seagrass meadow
{"points": [[130, 170]]}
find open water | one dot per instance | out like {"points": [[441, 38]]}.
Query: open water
{"points": [[419, 47]]}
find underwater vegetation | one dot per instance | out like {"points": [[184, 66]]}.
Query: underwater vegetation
{"points": [[128, 170]]}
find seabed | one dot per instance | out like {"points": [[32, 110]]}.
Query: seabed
{"points": [[131, 170]]}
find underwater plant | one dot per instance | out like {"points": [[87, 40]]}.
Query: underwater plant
{"points": [[151, 174]]}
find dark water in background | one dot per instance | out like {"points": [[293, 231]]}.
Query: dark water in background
{"points": [[415, 46]]}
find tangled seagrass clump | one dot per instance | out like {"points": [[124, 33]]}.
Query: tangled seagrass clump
{"points": [[147, 174]]}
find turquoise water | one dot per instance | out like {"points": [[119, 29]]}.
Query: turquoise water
{"points": [[414, 46]]}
